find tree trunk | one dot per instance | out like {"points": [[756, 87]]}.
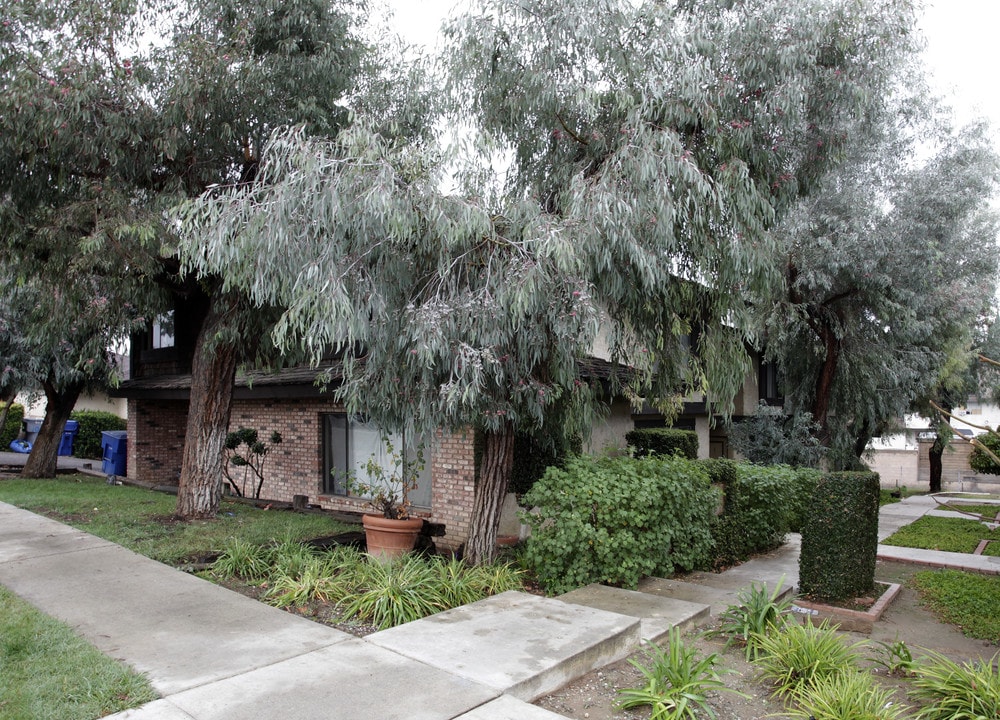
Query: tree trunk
{"points": [[824, 382], [44, 455], [934, 455], [213, 374], [494, 476]]}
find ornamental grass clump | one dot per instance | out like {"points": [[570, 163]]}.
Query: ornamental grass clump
{"points": [[678, 682], [956, 691], [801, 654], [243, 559], [849, 695], [757, 614]]}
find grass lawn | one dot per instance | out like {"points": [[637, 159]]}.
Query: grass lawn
{"points": [[47, 672], [965, 599], [949, 534], [142, 520]]}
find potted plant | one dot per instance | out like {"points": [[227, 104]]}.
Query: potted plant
{"points": [[391, 531]]}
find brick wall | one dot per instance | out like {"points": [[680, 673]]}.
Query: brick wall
{"points": [[156, 440], [295, 467]]}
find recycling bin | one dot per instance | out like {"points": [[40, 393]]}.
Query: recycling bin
{"points": [[69, 435], [114, 444]]}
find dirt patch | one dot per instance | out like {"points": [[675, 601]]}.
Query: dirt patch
{"points": [[595, 696]]}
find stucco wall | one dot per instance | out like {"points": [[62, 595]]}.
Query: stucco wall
{"points": [[895, 468], [608, 433]]}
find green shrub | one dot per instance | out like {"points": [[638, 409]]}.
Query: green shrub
{"points": [[980, 461], [12, 426], [617, 520], [761, 506], [770, 437], [87, 443], [840, 537], [664, 441], [800, 496], [721, 470]]}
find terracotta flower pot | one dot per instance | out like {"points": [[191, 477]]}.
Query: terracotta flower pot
{"points": [[390, 538]]}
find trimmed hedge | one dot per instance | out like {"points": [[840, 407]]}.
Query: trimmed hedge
{"points": [[762, 504], [664, 441], [617, 520], [92, 423], [840, 537], [12, 427]]}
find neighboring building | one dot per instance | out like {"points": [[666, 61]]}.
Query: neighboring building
{"points": [[34, 405], [902, 459]]}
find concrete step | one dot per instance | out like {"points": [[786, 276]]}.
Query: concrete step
{"points": [[656, 614], [718, 599], [516, 643]]}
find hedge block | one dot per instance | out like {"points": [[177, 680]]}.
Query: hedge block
{"points": [[840, 537]]}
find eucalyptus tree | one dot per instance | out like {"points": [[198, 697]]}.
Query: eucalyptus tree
{"points": [[114, 111], [889, 271], [58, 340], [652, 146]]}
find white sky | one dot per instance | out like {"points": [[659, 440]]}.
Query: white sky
{"points": [[961, 55]]}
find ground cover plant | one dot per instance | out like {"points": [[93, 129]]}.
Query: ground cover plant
{"points": [[143, 520], [967, 600], [985, 511], [943, 533], [47, 672]]}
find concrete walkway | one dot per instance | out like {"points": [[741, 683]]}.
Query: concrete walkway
{"points": [[64, 462], [213, 654]]}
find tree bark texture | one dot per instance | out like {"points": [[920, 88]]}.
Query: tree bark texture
{"points": [[824, 381], [213, 375], [44, 456], [494, 476]]}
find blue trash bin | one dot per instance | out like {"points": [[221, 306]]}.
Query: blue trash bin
{"points": [[69, 435], [114, 444]]}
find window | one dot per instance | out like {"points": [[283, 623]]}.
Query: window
{"points": [[349, 442], [162, 335], [769, 384]]}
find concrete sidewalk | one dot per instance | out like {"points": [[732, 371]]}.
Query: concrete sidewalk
{"points": [[216, 655], [213, 654]]}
